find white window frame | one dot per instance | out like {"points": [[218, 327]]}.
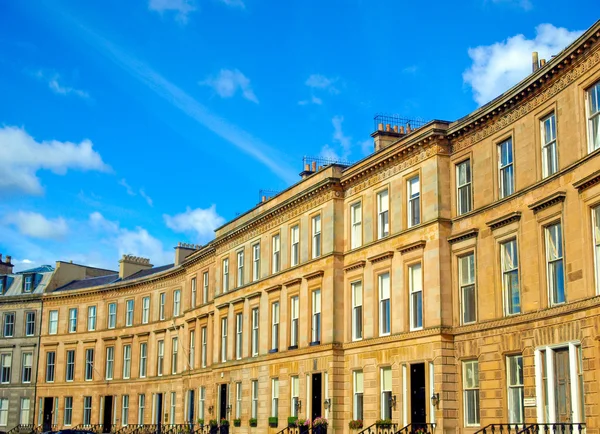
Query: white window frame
{"points": [[125, 410], [294, 319], [30, 323], [509, 256], [53, 322], [126, 361], [145, 310], [383, 214], [384, 304], [70, 366], [201, 401], [357, 310], [555, 261], [316, 322], [464, 185], [89, 364], [295, 245], [112, 316], [205, 287], [9, 325], [275, 326], [592, 95], [160, 358], [471, 387], [87, 410], [549, 145], [276, 256], [110, 363], [194, 290], [68, 413], [25, 409], [174, 355], [413, 206], [192, 359], [141, 408], [73, 320], [386, 393], [239, 329], [465, 283], [162, 301], [274, 397], [50, 366], [225, 283], [240, 268], [26, 367], [358, 389], [238, 400], [6, 368], [416, 302], [129, 306], [143, 369], [356, 225], [255, 331], [177, 302], [316, 236], [224, 339], [255, 262], [4, 405], [91, 325], [204, 348], [294, 394], [515, 388], [254, 397], [596, 242], [506, 169]]}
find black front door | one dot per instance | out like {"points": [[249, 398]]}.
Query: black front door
{"points": [[418, 397], [48, 407], [315, 404], [191, 405], [223, 402], [159, 412], [107, 416]]}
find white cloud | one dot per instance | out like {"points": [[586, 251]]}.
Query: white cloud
{"points": [[318, 81], [21, 157], [411, 70], [313, 100], [146, 197], [366, 147], [329, 153], [526, 5], [99, 223], [342, 147], [53, 81], [234, 3], [200, 221], [35, 225], [131, 192], [227, 83], [182, 8], [499, 66]]}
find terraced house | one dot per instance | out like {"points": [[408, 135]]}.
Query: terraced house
{"points": [[451, 277]]}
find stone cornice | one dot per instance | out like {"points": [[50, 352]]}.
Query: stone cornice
{"points": [[158, 331], [412, 246], [109, 338], [471, 233], [237, 301], [504, 220], [355, 265], [253, 295], [380, 257], [89, 341], [548, 201], [588, 181], [428, 332], [314, 275], [142, 334], [273, 288], [292, 282], [222, 306]]}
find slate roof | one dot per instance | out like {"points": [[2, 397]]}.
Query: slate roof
{"points": [[15, 281], [149, 271], [40, 269]]}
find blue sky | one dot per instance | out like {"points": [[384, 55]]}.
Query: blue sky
{"points": [[126, 127]]}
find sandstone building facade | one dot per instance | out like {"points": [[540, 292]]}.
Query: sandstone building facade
{"points": [[451, 277]]}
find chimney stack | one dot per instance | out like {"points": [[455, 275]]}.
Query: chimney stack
{"points": [[183, 250], [535, 65], [6, 266], [130, 264]]}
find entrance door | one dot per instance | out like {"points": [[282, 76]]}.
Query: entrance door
{"points": [[191, 406], [562, 382], [107, 417], [223, 402], [418, 400], [48, 407], [317, 400]]}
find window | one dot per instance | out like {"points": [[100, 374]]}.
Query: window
{"points": [[356, 225], [2, 285], [357, 399], [141, 408], [193, 284], [238, 335], [174, 352], [386, 393], [112, 315], [129, 313], [384, 304], [357, 308], [274, 397], [510, 277], [50, 362], [68, 416], [593, 113], [415, 284], [89, 364], [125, 410], [225, 275], [294, 315], [549, 149], [295, 250], [143, 359], [25, 407], [29, 323], [204, 347], [554, 264], [471, 392], [596, 236], [275, 265], [240, 268], [205, 287], [383, 218], [238, 400], [9, 325], [173, 406], [255, 262], [53, 322], [145, 310], [87, 410], [160, 359], [224, 339], [316, 236], [28, 283], [466, 275], [414, 201], [464, 198], [126, 361], [201, 402], [5, 367], [110, 362], [316, 316], [27, 360], [3, 411], [192, 361], [506, 181], [177, 302], [255, 334], [254, 407], [161, 307], [91, 318], [70, 371], [72, 320], [275, 326], [295, 395], [516, 410]]}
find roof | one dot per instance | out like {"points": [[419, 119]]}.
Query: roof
{"points": [[40, 269], [149, 272], [14, 282]]}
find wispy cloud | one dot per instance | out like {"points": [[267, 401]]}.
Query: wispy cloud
{"points": [[35, 225], [181, 8], [228, 81], [56, 84], [147, 198], [313, 100], [526, 5], [318, 81], [173, 94], [499, 66], [342, 144], [132, 192], [199, 221], [411, 69], [234, 3]]}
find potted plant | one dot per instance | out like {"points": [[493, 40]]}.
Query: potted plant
{"points": [[384, 423], [303, 425], [292, 420], [273, 422], [201, 422], [237, 422], [320, 425], [355, 424], [224, 427], [253, 422], [214, 426]]}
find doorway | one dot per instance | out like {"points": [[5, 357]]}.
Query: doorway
{"points": [[159, 410], [223, 402], [191, 405], [418, 399], [48, 407], [107, 417], [316, 400], [562, 382]]}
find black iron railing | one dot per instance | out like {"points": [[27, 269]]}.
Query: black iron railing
{"points": [[22, 429], [376, 428], [501, 428], [417, 428], [97, 427], [553, 428]]}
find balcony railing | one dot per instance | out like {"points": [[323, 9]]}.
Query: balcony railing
{"points": [[417, 428], [376, 428], [22, 429], [553, 428], [501, 428]]}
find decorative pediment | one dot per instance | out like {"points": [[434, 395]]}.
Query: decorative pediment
{"points": [[315, 275], [412, 246], [381, 257], [548, 201], [590, 180], [471, 233], [355, 265], [504, 220]]}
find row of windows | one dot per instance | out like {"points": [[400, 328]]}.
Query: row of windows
{"points": [[24, 412], [6, 362], [9, 329], [28, 285]]}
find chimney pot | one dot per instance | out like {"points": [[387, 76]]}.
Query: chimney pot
{"points": [[387, 127], [8, 259], [314, 166], [401, 130], [306, 167], [264, 199], [542, 62], [395, 128], [534, 61], [380, 127], [407, 128]]}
